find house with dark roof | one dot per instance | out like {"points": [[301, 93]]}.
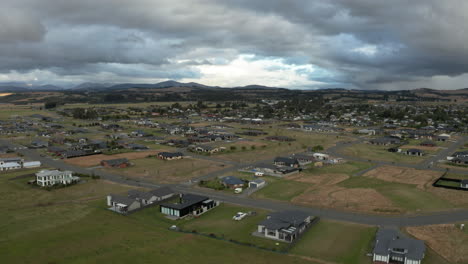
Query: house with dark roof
{"points": [[188, 204], [156, 195], [385, 141], [288, 162], [170, 155], [232, 182], [284, 226], [460, 160], [122, 204], [115, 163], [414, 152], [391, 247]]}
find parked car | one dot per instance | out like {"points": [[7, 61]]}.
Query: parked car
{"points": [[239, 216], [237, 190]]}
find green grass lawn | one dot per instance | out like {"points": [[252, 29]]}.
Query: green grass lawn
{"points": [[281, 189], [337, 242], [448, 183], [219, 222], [371, 152], [348, 168], [63, 226], [405, 196]]}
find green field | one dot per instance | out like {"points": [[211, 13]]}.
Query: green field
{"points": [[66, 226], [348, 168], [337, 242], [281, 189], [219, 222], [371, 152], [405, 196]]}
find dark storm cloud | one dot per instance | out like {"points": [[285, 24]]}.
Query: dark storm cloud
{"points": [[367, 43]]}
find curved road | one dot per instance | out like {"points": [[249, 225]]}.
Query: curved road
{"points": [[401, 220]]}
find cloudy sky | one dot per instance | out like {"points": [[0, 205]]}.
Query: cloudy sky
{"points": [[367, 44]]}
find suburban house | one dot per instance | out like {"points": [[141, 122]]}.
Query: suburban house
{"points": [[52, 177], [464, 184], [17, 163], [321, 156], [443, 137], [285, 226], [206, 149], [38, 143], [232, 182], [288, 162], [188, 204], [257, 183], [391, 247], [273, 170], [115, 163], [304, 159], [385, 141], [122, 204], [460, 160], [156, 195], [170, 155], [414, 152]]}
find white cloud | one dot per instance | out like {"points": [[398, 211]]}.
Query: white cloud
{"points": [[245, 70]]}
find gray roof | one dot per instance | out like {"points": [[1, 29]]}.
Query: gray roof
{"points": [[388, 239], [186, 201], [122, 199], [231, 180], [115, 162], [136, 194], [284, 219]]}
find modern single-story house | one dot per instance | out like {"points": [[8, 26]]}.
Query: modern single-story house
{"points": [[232, 182], [461, 160], [189, 204], [122, 204], [206, 149], [52, 177], [321, 156], [152, 196], [284, 226], [273, 170], [288, 162], [443, 137], [170, 155], [391, 247], [115, 163], [31, 164], [257, 183], [414, 152], [304, 159], [4, 166]]}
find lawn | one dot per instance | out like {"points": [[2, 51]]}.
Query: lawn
{"points": [[281, 189], [405, 196], [337, 242], [63, 226], [173, 171], [219, 222], [348, 168], [371, 152]]}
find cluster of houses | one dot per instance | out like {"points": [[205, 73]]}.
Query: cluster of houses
{"points": [[16, 163]]}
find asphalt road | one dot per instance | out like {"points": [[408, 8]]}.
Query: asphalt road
{"points": [[402, 220]]}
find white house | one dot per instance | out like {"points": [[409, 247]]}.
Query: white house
{"points": [[31, 164], [320, 156], [9, 166], [392, 247], [52, 177]]}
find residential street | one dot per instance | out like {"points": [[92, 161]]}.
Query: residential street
{"points": [[403, 220]]}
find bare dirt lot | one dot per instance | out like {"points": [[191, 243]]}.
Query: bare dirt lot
{"points": [[447, 240], [421, 178], [325, 192], [94, 160]]}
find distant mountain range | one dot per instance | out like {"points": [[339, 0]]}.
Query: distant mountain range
{"points": [[22, 86]]}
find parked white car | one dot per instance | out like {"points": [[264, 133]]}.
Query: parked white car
{"points": [[239, 216], [237, 190]]}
